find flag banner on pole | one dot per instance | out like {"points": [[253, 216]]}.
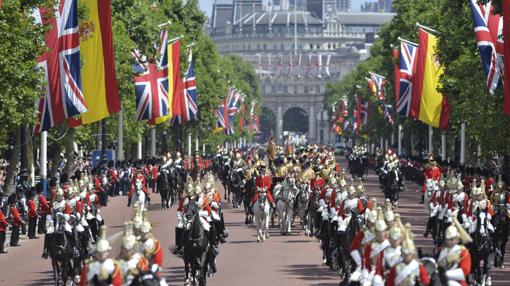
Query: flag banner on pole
{"points": [[252, 115], [357, 115], [98, 71], [174, 76], [319, 66], [243, 110], [376, 84], [486, 44], [364, 114], [408, 58], [429, 105], [151, 90], [328, 60], [190, 108], [506, 50], [63, 96], [163, 55], [396, 73]]}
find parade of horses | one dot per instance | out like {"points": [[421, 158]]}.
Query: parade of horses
{"points": [[254, 142], [301, 190]]}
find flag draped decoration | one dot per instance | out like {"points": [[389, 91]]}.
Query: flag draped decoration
{"points": [[227, 111], [357, 115], [506, 51], [190, 109], [408, 58], [63, 96], [163, 55], [429, 105], [243, 110], [364, 114], [486, 43], [175, 85], [151, 90], [252, 116], [376, 84], [98, 71], [396, 73]]}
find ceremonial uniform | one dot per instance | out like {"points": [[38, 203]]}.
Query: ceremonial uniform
{"points": [[264, 183], [44, 210], [16, 222], [133, 267], [107, 271], [32, 218], [3, 230], [408, 274], [433, 172], [457, 263]]}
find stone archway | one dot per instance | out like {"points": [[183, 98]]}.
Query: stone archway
{"points": [[295, 119], [267, 123]]}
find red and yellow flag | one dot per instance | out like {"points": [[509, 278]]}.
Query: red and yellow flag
{"points": [[174, 77], [428, 103], [99, 82]]}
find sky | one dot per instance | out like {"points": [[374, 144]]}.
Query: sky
{"points": [[206, 5]]}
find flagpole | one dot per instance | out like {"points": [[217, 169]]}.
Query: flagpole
{"points": [[408, 42], [427, 28], [44, 160], [189, 145], [153, 141], [463, 143], [196, 144], [139, 147], [431, 133], [120, 141], [443, 147], [400, 139]]}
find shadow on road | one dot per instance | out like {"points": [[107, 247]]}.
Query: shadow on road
{"points": [[315, 274]]}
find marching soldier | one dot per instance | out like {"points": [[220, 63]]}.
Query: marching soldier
{"points": [[32, 216], [16, 220], [3, 229]]}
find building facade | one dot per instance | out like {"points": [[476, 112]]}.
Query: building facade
{"points": [[295, 52]]}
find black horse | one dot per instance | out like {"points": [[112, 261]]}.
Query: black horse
{"points": [[82, 246], [196, 246], [358, 166], [164, 189], [481, 249], [501, 222], [393, 185], [60, 249], [249, 191], [177, 177], [236, 185], [343, 246]]}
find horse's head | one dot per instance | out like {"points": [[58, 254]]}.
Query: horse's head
{"points": [[191, 213], [262, 196]]}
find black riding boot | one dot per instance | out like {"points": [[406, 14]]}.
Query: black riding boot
{"points": [[129, 201], [428, 229], [178, 240], [422, 201], [47, 237]]}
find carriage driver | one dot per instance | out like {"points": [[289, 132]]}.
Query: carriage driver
{"points": [[263, 181]]}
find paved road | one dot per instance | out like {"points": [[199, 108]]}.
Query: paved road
{"points": [[282, 260]]}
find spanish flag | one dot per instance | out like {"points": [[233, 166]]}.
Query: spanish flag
{"points": [[98, 71], [430, 106], [174, 78]]}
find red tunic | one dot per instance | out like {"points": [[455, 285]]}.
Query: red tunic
{"points": [[433, 173], [358, 238], [424, 276], [32, 209], [317, 184], [263, 182], [3, 222], [157, 255], [15, 217], [116, 276], [44, 207], [379, 262], [114, 176]]}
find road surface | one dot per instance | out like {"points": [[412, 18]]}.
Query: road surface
{"points": [[281, 260]]}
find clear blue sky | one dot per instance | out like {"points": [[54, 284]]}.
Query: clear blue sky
{"points": [[206, 5]]}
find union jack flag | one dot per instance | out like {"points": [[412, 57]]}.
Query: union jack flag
{"points": [[376, 84], [190, 100], [151, 91], [486, 43], [61, 65], [387, 113], [139, 62], [227, 110], [408, 58], [163, 60]]}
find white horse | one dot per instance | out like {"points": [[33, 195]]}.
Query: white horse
{"points": [[302, 199], [285, 199], [139, 195], [261, 211]]}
